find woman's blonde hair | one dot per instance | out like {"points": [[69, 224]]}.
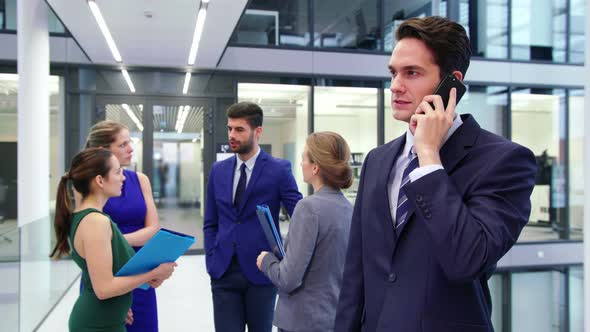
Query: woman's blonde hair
{"points": [[103, 134], [331, 153]]}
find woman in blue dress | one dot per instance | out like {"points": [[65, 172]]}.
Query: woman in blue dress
{"points": [[134, 212]]}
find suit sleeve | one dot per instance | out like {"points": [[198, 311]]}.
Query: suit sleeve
{"points": [[210, 224], [351, 301], [288, 274], [290, 195], [470, 234]]}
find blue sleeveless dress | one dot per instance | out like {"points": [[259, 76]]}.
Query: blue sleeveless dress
{"points": [[128, 212]]}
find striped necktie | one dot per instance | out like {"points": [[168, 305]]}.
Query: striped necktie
{"points": [[403, 206]]}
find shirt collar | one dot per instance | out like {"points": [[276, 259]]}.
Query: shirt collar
{"points": [[457, 122], [249, 163]]}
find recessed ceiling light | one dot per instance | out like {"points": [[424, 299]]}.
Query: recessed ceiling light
{"points": [[105, 30], [192, 56]]}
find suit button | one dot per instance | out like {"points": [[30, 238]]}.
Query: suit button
{"points": [[392, 277], [427, 215], [233, 244], [419, 198]]}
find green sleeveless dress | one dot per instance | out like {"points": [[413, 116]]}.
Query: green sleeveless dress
{"points": [[90, 313]]}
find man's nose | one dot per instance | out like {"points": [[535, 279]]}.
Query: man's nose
{"points": [[396, 85]]}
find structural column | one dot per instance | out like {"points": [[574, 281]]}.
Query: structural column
{"points": [[33, 111]]}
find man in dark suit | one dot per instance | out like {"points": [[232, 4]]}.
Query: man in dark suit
{"points": [[242, 295], [437, 207]]}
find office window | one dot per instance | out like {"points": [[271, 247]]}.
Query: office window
{"points": [[576, 299], [349, 24], [2, 13], [352, 113], [537, 301], [10, 18], [537, 111], [577, 26], [538, 30], [576, 163], [274, 23], [488, 105], [285, 126], [487, 25], [395, 12]]}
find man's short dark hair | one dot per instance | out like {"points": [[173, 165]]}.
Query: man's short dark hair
{"points": [[446, 39], [246, 110]]}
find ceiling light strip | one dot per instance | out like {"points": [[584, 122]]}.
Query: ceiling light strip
{"points": [[198, 32], [132, 116], [128, 80], [105, 30], [187, 80]]}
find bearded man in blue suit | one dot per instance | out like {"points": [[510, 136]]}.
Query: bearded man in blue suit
{"points": [[437, 207], [242, 295]]}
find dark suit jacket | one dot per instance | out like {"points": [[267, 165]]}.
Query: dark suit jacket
{"points": [[431, 273], [228, 230]]}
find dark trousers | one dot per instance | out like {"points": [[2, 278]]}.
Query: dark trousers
{"points": [[237, 302]]}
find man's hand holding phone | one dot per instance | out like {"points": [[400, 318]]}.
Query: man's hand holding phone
{"points": [[433, 119]]}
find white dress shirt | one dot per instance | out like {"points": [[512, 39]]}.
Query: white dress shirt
{"points": [[402, 162], [249, 167]]}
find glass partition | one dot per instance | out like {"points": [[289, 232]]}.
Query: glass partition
{"points": [[395, 12], [535, 111], [576, 163], [576, 298], [488, 105], [274, 23], [577, 36], [487, 25], [538, 30], [352, 113], [350, 24]]}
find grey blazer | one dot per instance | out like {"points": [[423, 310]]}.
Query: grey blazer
{"points": [[309, 277]]}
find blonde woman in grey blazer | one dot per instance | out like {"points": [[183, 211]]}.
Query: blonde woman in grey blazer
{"points": [[310, 275]]}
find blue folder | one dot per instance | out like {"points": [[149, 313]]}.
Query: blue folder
{"points": [[165, 246], [270, 231]]}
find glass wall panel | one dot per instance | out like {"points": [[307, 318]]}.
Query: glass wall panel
{"points": [[538, 30], [351, 24], [285, 126], [576, 299], [2, 14], [352, 113], [577, 34], [486, 22], [274, 23], [55, 25], [497, 294], [537, 111], [488, 105], [538, 301], [396, 11], [576, 163]]}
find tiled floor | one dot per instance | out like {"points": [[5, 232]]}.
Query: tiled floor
{"points": [[184, 301]]}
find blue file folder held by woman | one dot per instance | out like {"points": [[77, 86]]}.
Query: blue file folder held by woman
{"points": [[165, 246], [270, 231]]}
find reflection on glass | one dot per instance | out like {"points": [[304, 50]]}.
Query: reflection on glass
{"points": [[537, 111], [487, 104], [285, 123], [131, 116], [538, 30], [352, 113], [274, 23], [489, 32], [351, 24], [177, 179], [577, 35], [576, 163], [537, 301], [576, 299], [395, 12]]}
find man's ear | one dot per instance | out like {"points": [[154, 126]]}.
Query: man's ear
{"points": [[458, 75], [258, 131]]}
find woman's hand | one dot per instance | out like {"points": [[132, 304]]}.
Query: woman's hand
{"points": [[163, 271], [260, 258], [155, 283], [129, 318]]}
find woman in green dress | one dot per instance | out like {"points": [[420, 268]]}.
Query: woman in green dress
{"points": [[96, 244]]}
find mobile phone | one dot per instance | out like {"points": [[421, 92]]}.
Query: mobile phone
{"points": [[444, 89]]}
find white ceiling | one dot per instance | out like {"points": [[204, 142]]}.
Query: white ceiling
{"points": [[164, 40]]}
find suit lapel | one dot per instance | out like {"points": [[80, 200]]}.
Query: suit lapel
{"points": [[258, 167], [451, 153], [387, 164]]}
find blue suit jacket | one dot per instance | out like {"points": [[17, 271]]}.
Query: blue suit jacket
{"points": [[228, 230], [431, 273]]}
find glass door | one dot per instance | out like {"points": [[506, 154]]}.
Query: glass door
{"points": [[168, 138]]}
